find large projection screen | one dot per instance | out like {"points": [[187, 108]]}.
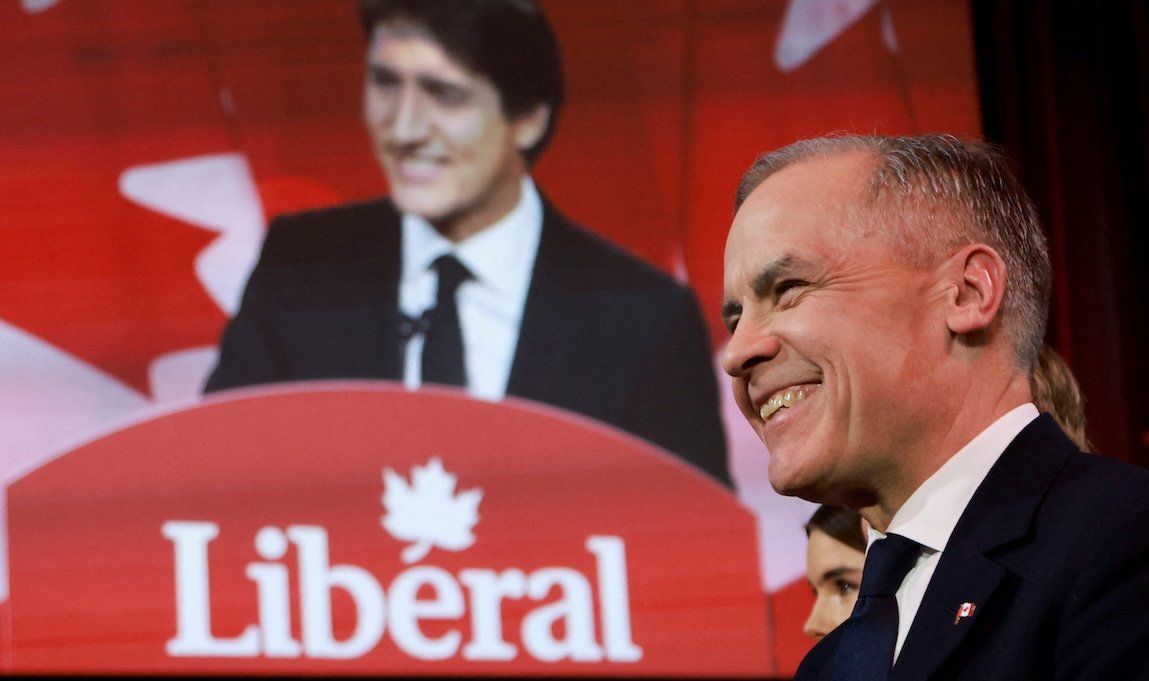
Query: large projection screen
{"points": [[352, 526]]}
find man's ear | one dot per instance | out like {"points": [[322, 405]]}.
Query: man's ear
{"points": [[980, 278], [528, 128]]}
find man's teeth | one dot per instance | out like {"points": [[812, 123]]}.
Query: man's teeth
{"points": [[786, 398], [419, 168]]}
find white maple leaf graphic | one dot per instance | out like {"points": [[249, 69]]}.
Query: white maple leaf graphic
{"points": [[428, 512]]}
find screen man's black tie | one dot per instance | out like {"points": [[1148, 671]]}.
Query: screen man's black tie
{"points": [[443, 344], [866, 649]]}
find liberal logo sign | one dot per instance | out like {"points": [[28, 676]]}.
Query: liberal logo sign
{"points": [[342, 528], [429, 514]]}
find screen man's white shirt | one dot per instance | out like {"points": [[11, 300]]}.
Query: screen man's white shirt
{"points": [[501, 259]]}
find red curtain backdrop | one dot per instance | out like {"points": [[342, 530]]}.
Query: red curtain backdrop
{"points": [[1066, 92]]}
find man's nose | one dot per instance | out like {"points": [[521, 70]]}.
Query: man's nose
{"points": [[411, 121], [749, 345]]}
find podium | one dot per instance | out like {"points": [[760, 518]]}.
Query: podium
{"points": [[355, 528]]}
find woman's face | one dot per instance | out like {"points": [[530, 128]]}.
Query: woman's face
{"points": [[834, 570]]}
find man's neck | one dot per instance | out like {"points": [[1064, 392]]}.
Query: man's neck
{"points": [[971, 420]]}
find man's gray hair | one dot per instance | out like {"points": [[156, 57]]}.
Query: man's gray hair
{"points": [[930, 195]]}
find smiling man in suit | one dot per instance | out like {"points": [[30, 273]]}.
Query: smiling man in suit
{"points": [[466, 275], [886, 299]]}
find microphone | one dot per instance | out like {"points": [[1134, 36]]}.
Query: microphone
{"points": [[414, 326]]}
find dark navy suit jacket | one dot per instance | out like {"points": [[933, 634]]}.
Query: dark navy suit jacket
{"points": [[1053, 551], [603, 334]]}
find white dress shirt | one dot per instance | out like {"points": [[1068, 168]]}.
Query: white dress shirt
{"points": [[932, 511], [500, 258]]}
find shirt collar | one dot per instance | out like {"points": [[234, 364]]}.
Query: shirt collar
{"points": [[931, 513], [500, 256]]}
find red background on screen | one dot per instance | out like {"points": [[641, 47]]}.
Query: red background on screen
{"points": [[668, 102]]}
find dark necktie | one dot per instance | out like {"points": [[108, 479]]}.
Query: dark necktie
{"points": [[443, 343], [866, 649]]}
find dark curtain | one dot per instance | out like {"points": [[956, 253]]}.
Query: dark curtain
{"points": [[1065, 90]]}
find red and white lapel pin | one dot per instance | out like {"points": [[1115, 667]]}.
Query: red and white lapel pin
{"points": [[963, 611]]}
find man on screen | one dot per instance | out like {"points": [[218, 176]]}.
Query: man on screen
{"points": [[886, 299], [466, 275]]}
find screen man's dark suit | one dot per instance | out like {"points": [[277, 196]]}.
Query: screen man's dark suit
{"points": [[602, 334], [1053, 551]]}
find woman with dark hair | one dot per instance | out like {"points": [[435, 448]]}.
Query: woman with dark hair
{"points": [[835, 554], [836, 550]]}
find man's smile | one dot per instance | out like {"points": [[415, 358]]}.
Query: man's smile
{"points": [[785, 398], [418, 168]]}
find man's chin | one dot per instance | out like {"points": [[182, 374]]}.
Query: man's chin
{"points": [[426, 203], [794, 490], [796, 483], [788, 485]]}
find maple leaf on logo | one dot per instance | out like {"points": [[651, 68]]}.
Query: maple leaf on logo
{"points": [[428, 512]]}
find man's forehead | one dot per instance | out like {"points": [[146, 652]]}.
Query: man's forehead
{"points": [[798, 215], [423, 48], [835, 178], [402, 27], [807, 195]]}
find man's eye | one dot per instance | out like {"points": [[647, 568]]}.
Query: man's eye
{"points": [[731, 324], [449, 95], [384, 79], [785, 291], [846, 587]]}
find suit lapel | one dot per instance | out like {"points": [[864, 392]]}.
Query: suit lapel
{"points": [[381, 304], [352, 304], [999, 513], [548, 336], [963, 576]]}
